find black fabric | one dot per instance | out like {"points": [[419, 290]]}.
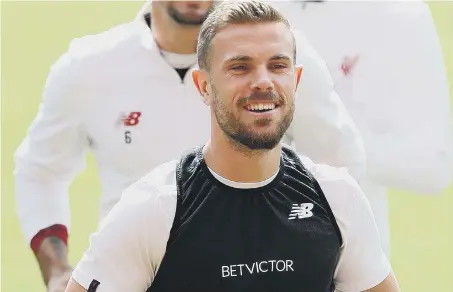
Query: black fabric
{"points": [[182, 73], [93, 286], [227, 239], [148, 19]]}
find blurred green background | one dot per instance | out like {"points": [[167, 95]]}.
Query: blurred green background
{"points": [[35, 34]]}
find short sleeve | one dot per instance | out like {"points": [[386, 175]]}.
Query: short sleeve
{"points": [[362, 263], [130, 243]]}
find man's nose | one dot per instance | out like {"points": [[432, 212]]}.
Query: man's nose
{"points": [[262, 80]]}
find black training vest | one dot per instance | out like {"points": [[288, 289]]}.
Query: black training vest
{"points": [[226, 239]]}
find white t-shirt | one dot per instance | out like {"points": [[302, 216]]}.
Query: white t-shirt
{"points": [[126, 251]]}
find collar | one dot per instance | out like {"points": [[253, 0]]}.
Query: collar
{"points": [[146, 36]]}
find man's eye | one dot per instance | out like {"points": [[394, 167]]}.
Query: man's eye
{"points": [[279, 66], [239, 67]]}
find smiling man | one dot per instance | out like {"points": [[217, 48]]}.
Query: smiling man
{"points": [[242, 213], [126, 95]]}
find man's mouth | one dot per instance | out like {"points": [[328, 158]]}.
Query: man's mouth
{"points": [[261, 107]]}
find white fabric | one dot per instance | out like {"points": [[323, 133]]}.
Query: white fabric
{"points": [[179, 61], [103, 78], [239, 185], [126, 251], [397, 91]]}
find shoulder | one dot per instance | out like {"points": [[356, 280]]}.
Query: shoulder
{"points": [[154, 196], [93, 62], [339, 187], [327, 175], [88, 55], [161, 178], [104, 42]]}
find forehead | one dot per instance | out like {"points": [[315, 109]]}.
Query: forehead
{"points": [[257, 41]]}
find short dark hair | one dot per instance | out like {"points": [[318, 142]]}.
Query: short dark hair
{"points": [[234, 12]]}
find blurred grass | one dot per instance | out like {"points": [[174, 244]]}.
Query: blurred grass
{"points": [[35, 34]]}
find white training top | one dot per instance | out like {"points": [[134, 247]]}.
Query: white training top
{"points": [[396, 88], [115, 94], [126, 251], [386, 61]]}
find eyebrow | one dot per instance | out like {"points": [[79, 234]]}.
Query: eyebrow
{"points": [[244, 58], [240, 58], [280, 57]]}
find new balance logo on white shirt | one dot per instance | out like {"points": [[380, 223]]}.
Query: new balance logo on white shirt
{"points": [[301, 211]]}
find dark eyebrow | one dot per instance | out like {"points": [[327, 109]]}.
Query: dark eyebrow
{"points": [[280, 57], [240, 58], [244, 58]]}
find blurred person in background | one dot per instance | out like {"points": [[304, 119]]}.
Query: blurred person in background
{"points": [[123, 94], [387, 64]]}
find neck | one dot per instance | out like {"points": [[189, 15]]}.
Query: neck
{"points": [[235, 163], [172, 37]]}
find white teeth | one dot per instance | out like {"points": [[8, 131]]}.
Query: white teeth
{"points": [[261, 106]]}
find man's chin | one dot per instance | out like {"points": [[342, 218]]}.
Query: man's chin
{"points": [[189, 21], [258, 143]]}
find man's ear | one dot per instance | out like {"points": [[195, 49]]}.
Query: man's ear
{"points": [[200, 79], [299, 69]]}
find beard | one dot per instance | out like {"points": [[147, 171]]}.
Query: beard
{"points": [[242, 134], [181, 19]]}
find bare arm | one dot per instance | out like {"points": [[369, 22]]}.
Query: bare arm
{"points": [[388, 285], [73, 286], [52, 257]]}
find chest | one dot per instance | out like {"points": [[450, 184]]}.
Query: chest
{"points": [[240, 242], [144, 121]]}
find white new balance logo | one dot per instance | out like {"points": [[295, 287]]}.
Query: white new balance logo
{"points": [[301, 211]]}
